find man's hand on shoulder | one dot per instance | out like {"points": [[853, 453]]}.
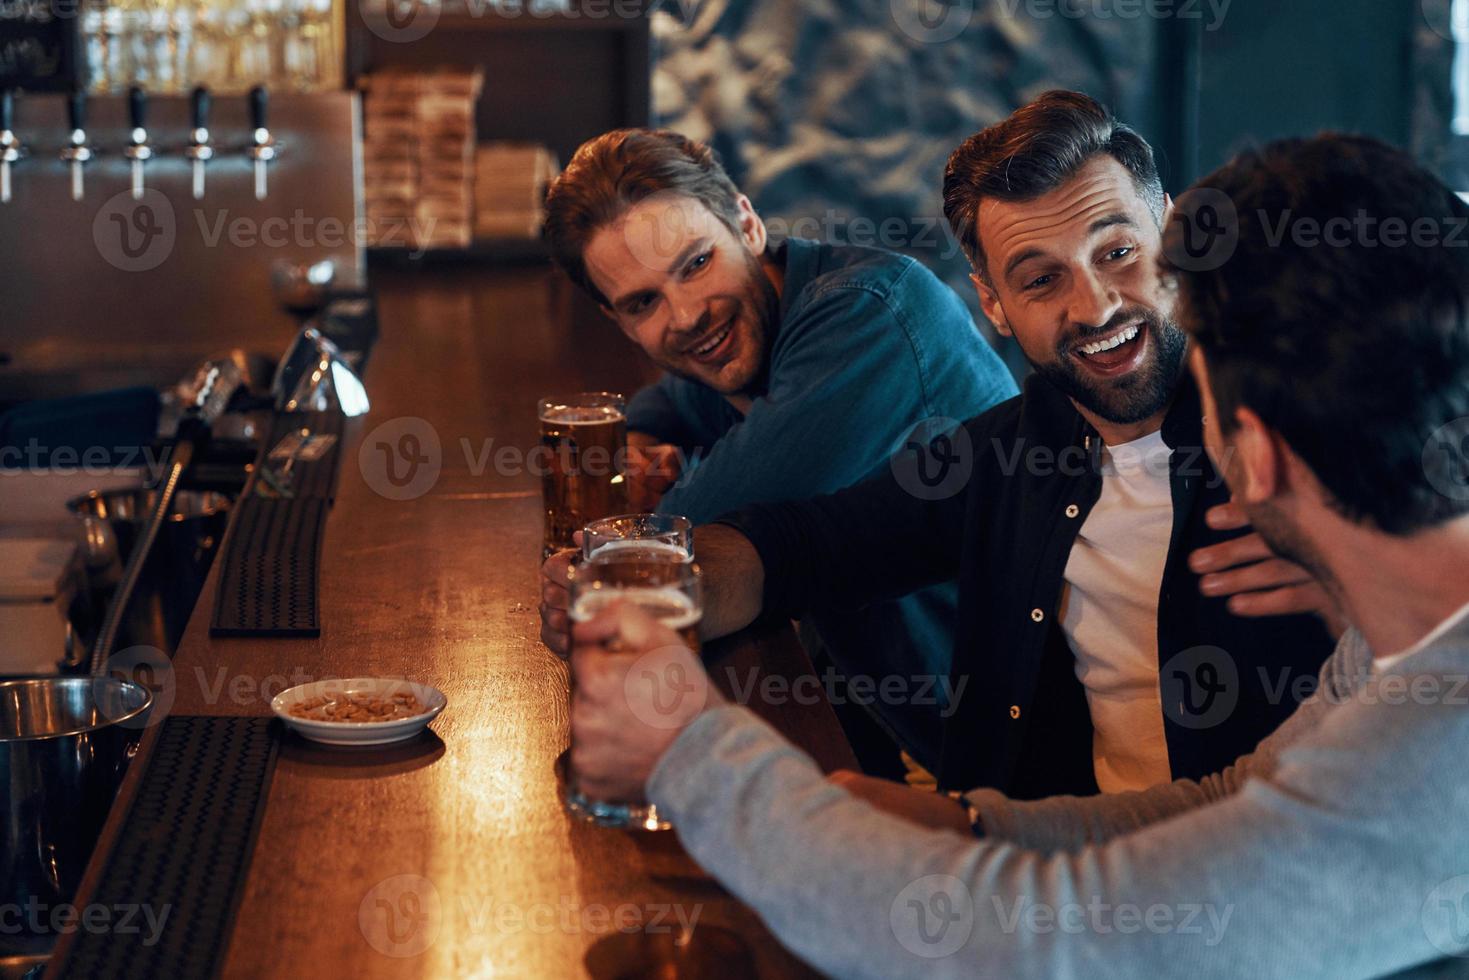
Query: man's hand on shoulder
{"points": [[1257, 582]]}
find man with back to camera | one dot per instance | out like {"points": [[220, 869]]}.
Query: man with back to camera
{"points": [[1339, 848], [1090, 645], [791, 369]]}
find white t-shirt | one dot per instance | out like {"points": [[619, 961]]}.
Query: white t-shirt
{"points": [[1109, 612], [1434, 635]]}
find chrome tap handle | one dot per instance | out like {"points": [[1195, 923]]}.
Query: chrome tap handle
{"points": [[262, 148], [11, 148], [77, 153], [199, 151], [138, 151]]}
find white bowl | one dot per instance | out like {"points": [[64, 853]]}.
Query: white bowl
{"points": [[359, 732]]}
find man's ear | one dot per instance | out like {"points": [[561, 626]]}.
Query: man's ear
{"points": [[1261, 455], [989, 302], [752, 229]]}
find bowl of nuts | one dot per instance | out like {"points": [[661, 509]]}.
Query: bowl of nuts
{"points": [[359, 710]]}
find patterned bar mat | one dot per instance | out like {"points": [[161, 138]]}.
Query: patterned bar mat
{"points": [[271, 569], [183, 852]]}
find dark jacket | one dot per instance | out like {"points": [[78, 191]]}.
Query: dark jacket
{"points": [[1022, 724]]}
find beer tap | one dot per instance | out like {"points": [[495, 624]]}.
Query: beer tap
{"points": [[11, 148], [262, 148], [199, 149], [138, 149], [77, 153]]}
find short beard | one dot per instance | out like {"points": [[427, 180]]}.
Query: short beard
{"points": [[762, 303], [1136, 397]]}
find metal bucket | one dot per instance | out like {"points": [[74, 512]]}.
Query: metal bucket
{"points": [[176, 568], [65, 743]]}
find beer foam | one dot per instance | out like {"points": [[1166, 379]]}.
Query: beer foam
{"points": [[667, 605], [641, 548], [582, 414]]}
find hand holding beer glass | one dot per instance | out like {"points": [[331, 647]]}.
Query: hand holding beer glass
{"points": [[586, 434], [637, 538], [636, 677]]}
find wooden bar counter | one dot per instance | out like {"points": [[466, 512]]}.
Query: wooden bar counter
{"points": [[443, 588]]}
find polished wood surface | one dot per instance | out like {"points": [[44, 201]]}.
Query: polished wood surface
{"points": [[443, 588]]}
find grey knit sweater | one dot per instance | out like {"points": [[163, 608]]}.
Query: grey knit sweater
{"points": [[1339, 849]]}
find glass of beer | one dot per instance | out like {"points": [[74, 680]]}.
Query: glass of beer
{"points": [[672, 593], [638, 537], [586, 439]]}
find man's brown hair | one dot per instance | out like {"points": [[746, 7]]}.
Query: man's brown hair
{"points": [[617, 170], [1035, 151]]}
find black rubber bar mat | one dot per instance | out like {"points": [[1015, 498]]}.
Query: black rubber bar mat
{"points": [[271, 568], [182, 853]]}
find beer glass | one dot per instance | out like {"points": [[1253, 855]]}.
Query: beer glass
{"points": [[585, 441], [669, 591], [638, 537]]}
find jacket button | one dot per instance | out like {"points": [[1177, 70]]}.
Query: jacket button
{"points": [[1014, 711], [1037, 615], [1073, 510]]}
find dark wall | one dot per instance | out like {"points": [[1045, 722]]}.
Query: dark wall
{"points": [[834, 111], [837, 116], [1276, 69]]}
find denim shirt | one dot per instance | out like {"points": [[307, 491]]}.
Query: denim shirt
{"points": [[869, 345]]}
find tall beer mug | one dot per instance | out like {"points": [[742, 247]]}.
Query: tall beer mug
{"points": [[583, 480], [672, 593]]}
